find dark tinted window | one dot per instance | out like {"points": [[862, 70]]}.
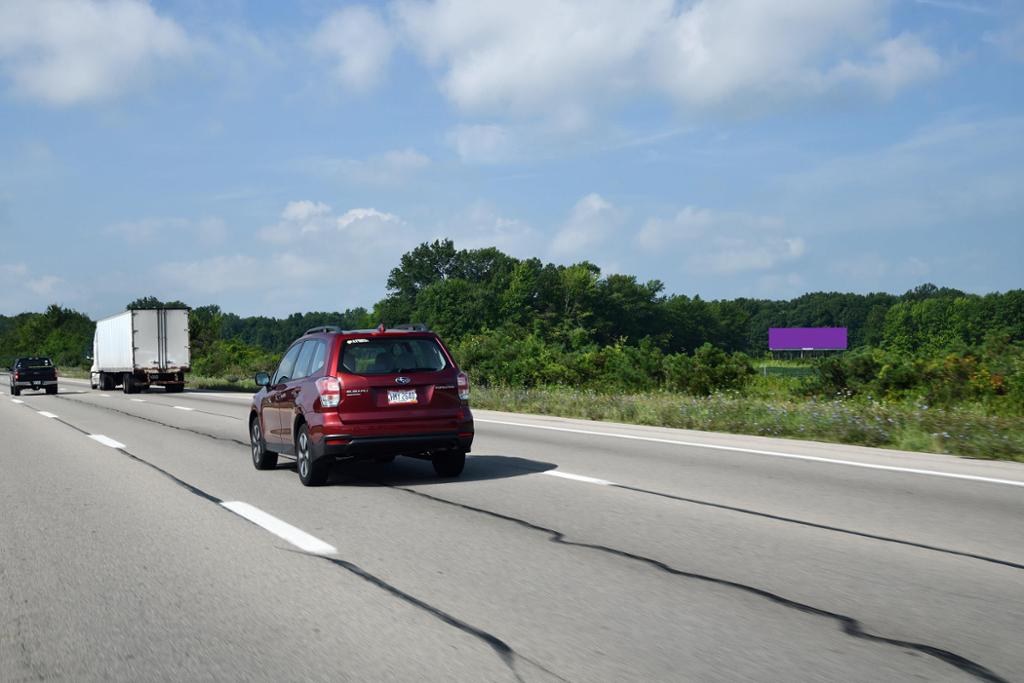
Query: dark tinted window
{"points": [[386, 356], [26, 363], [284, 371], [302, 364]]}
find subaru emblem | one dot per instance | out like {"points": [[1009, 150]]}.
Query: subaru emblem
{"points": [[402, 380]]}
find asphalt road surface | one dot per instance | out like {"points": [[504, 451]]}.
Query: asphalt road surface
{"points": [[137, 542]]}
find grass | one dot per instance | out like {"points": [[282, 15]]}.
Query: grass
{"points": [[767, 407], [247, 385], [964, 430]]}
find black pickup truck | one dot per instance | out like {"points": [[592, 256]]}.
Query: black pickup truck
{"points": [[33, 373]]}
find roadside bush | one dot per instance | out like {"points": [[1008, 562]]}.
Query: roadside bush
{"points": [[709, 369], [621, 367], [233, 358]]}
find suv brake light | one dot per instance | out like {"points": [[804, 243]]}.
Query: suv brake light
{"points": [[329, 389], [463, 382]]}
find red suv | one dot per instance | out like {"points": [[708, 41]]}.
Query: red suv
{"points": [[362, 394]]}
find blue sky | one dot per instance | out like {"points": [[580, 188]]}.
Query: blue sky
{"points": [[280, 157]]}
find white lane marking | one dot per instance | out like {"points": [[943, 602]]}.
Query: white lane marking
{"points": [[105, 395], [182, 408], [16, 400], [106, 441], [297, 537], [774, 454], [138, 400], [45, 413], [577, 477]]}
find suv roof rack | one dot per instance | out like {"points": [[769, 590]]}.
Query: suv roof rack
{"points": [[323, 328], [411, 327]]}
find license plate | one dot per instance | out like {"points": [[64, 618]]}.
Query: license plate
{"points": [[396, 396]]}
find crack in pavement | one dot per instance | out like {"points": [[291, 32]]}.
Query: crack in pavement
{"points": [[850, 626], [508, 655], [660, 494], [156, 422], [815, 525]]}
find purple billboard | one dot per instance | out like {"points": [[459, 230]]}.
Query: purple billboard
{"points": [[807, 338]]}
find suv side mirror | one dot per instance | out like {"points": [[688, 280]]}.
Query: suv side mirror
{"points": [[262, 379]]}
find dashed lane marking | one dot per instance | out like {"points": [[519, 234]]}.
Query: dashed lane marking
{"points": [[106, 441], [45, 413], [183, 408], [578, 477], [297, 537]]}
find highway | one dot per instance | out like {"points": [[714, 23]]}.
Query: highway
{"points": [[137, 542]]}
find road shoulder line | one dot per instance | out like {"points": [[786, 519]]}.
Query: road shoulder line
{"points": [[757, 451]]}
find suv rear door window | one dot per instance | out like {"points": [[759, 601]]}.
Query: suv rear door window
{"points": [[284, 371], [302, 364], [319, 358], [387, 356]]}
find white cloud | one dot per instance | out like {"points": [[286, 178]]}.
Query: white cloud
{"points": [[480, 225], [891, 66], [304, 211], [359, 43], [530, 55], [693, 223], [65, 52], [356, 220], [351, 252], [956, 172], [560, 60], [208, 231], [390, 168], [592, 221], [727, 255], [690, 223], [721, 242], [483, 144], [215, 275], [22, 289], [299, 218], [1009, 41]]}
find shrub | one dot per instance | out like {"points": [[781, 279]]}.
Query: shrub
{"points": [[709, 369]]}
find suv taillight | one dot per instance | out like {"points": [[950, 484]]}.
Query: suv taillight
{"points": [[329, 389], [463, 383], [17, 376]]}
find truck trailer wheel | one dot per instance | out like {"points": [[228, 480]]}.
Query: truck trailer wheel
{"points": [[129, 386], [174, 388]]}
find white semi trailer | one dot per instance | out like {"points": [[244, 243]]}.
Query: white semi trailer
{"points": [[141, 348]]}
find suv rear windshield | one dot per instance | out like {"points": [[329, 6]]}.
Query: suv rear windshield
{"points": [[386, 356]]}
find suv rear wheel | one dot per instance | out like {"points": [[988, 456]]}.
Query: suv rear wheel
{"points": [[262, 459], [449, 463], [313, 470]]}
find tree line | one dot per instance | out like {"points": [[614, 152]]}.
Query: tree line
{"points": [[523, 322]]}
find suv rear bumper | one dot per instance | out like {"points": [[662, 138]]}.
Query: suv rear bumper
{"points": [[35, 383], [367, 447]]}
